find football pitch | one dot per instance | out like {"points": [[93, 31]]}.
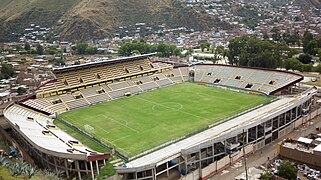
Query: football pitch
{"points": [[138, 123]]}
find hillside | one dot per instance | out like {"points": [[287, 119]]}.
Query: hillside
{"points": [[87, 19], [15, 15], [94, 19], [99, 17]]}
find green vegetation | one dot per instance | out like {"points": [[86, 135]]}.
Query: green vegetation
{"points": [[163, 50], [311, 44], [287, 170], [106, 171], [135, 124], [40, 49], [21, 90], [266, 176], [249, 14], [53, 50], [27, 46], [59, 62], [7, 71], [251, 51], [305, 58], [16, 168], [85, 48], [205, 45]]}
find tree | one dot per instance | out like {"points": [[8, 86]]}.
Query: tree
{"points": [[266, 176], [266, 36], [275, 34], [177, 52], [91, 50], [318, 69], [293, 51], [21, 90], [53, 50], [81, 48], [205, 45], [18, 47], [135, 52], [307, 37], [39, 49], [311, 48], [127, 49], [287, 170], [163, 50], [307, 67], [7, 71], [220, 50], [319, 53], [189, 51], [305, 58], [251, 51], [59, 62], [27, 46], [292, 63]]}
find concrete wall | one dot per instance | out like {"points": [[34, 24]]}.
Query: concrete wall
{"points": [[223, 162], [298, 123], [259, 145], [301, 156], [236, 157], [226, 161], [209, 170], [195, 175]]}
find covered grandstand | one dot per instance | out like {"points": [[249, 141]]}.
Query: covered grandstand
{"points": [[266, 81], [198, 155]]}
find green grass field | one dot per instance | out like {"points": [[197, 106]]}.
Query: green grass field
{"points": [[135, 124]]}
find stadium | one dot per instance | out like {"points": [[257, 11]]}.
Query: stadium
{"points": [[164, 122]]}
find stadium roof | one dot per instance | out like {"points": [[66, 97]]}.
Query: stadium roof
{"points": [[225, 129], [51, 140], [81, 66]]}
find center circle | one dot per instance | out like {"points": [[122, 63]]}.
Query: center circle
{"points": [[167, 107]]}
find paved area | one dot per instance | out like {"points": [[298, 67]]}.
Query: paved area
{"points": [[261, 157]]}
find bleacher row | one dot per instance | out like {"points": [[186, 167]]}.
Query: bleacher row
{"points": [[102, 73], [244, 78], [108, 91]]}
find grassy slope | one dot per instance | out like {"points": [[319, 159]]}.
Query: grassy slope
{"points": [[141, 122]]}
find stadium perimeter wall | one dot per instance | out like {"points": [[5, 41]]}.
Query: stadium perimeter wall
{"points": [[227, 161]]}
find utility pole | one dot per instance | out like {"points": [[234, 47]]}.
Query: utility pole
{"points": [[243, 147]]}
